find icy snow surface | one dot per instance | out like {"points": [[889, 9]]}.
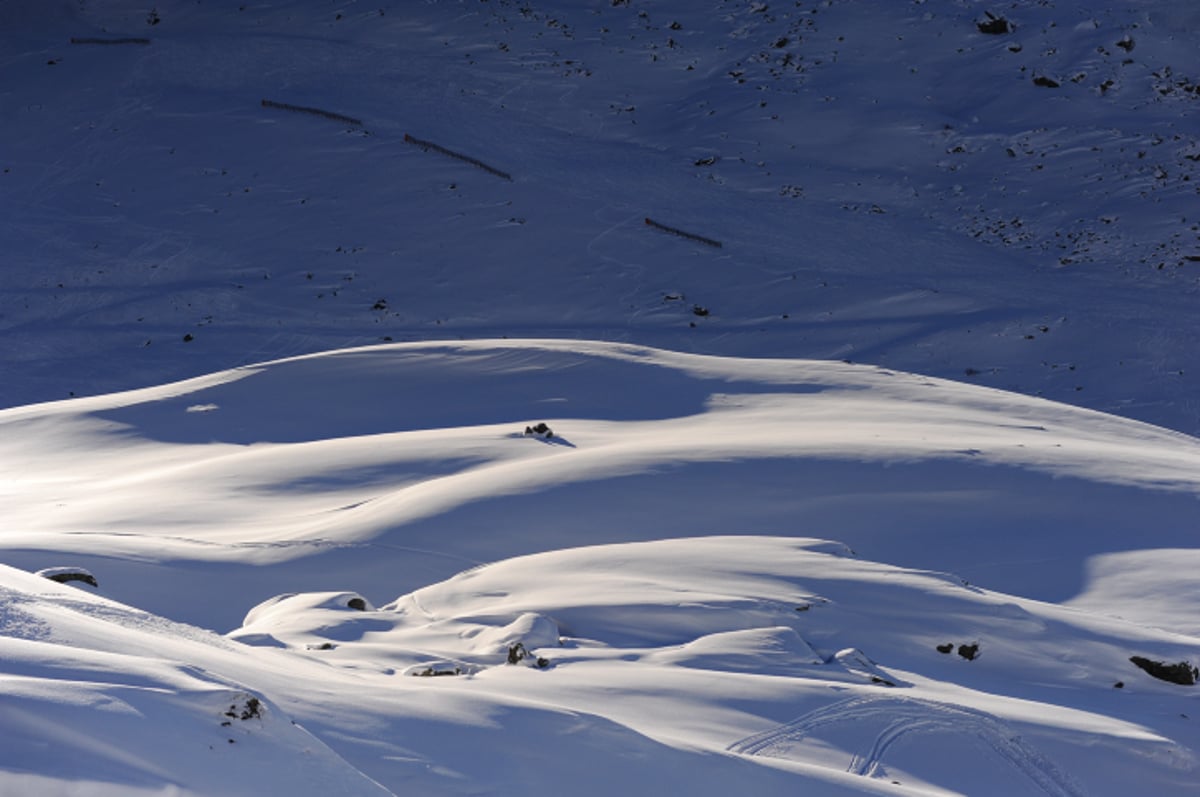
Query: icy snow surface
{"points": [[879, 496]]}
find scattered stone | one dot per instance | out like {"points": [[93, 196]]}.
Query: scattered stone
{"points": [[430, 672], [517, 653], [251, 710], [1045, 82], [969, 652], [946, 648]]}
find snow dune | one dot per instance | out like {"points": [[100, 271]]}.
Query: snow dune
{"points": [[700, 664], [414, 457], [289, 503], [320, 565]]}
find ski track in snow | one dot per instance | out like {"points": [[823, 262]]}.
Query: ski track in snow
{"points": [[903, 717]]}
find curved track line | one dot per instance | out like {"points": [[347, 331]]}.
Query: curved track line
{"points": [[902, 717]]}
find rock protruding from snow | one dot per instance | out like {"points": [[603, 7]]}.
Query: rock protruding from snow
{"points": [[539, 430], [530, 629], [1182, 673], [858, 663], [307, 620], [65, 575]]}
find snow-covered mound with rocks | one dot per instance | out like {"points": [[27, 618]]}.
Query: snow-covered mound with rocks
{"points": [[1034, 551], [741, 397]]}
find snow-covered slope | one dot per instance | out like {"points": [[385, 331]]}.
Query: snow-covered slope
{"points": [[889, 184], [408, 462], [758, 664], [885, 480], [322, 486]]}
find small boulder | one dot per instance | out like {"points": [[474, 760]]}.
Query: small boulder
{"points": [[66, 574], [993, 24], [539, 430], [1182, 673], [518, 653], [430, 672]]}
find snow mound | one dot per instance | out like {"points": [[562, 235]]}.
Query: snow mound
{"points": [[403, 464], [772, 662], [103, 699], [878, 666]]}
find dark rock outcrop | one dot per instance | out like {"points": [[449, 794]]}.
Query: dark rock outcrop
{"points": [[1182, 673]]}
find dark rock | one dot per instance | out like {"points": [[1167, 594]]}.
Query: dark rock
{"points": [[252, 709], [357, 603], [63, 576], [1045, 82], [539, 429], [516, 653], [1182, 673], [993, 24], [430, 672], [946, 648], [969, 652]]}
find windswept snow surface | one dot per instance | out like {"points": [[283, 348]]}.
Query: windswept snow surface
{"points": [[878, 496], [889, 184], [282, 503]]}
